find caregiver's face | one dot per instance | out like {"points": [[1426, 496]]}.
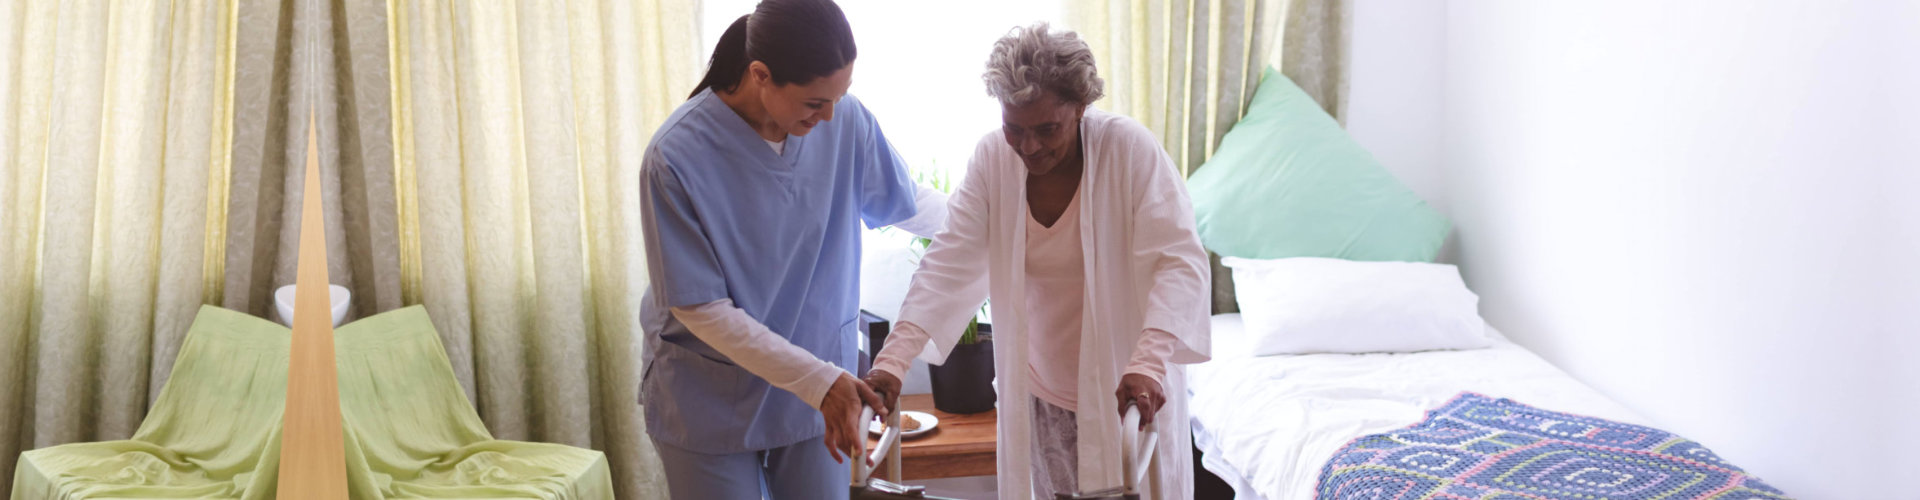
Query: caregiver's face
{"points": [[1045, 132], [798, 107]]}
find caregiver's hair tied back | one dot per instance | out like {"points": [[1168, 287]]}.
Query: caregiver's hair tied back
{"points": [[798, 40], [1032, 60]]}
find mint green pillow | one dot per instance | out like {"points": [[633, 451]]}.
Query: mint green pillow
{"points": [[1287, 181]]}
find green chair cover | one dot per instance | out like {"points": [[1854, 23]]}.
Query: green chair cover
{"points": [[214, 433]]}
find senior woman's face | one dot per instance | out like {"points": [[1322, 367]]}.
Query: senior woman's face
{"points": [[1045, 132]]}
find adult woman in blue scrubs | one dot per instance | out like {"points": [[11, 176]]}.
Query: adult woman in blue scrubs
{"points": [[752, 196]]}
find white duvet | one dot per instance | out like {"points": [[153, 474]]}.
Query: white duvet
{"points": [[1268, 424]]}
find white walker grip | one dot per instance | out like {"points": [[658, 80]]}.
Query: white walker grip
{"points": [[1136, 450], [889, 442]]}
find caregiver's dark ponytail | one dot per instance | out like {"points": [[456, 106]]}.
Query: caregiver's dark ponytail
{"points": [[729, 60], [798, 40]]}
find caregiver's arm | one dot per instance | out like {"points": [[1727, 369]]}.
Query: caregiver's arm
{"points": [[687, 275], [930, 212], [754, 347], [750, 344], [686, 272], [888, 195]]}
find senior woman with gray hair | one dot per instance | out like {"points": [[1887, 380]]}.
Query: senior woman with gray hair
{"points": [[1079, 227]]}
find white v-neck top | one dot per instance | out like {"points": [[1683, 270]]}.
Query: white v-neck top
{"points": [[1056, 294]]}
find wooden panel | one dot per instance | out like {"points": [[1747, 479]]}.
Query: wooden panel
{"points": [[960, 465], [313, 463]]}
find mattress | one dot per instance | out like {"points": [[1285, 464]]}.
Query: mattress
{"points": [[1268, 424]]}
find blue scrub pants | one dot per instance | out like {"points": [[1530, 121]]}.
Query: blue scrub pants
{"points": [[802, 470]]}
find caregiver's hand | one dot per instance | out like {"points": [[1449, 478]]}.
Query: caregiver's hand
{"points": [[841, 408], [888, 386], [1144, 392]]}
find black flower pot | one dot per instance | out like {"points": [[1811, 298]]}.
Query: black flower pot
{"points": [[965, 383]]}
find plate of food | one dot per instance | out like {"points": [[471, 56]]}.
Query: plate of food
{"points": [[912, 423]]}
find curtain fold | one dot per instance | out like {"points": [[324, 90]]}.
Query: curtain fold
{"points": [[116, 119], [1188, 68], [518, 131], [1313, 51], [151, 166], [1184, 68], [332, 55]]}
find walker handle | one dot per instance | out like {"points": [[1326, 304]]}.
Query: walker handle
{"points": [[1136, 448], [889, 442]]}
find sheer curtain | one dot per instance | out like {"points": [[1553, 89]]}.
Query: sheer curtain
{"points": [[116, 123], [518, 135], [326, 59], [1188, 68]]}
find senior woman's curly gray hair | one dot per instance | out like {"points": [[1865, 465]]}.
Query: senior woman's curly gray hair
{"points": [[1032, 60]]}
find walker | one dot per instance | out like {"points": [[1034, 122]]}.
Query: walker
{"points": [[887, 453], [1137, 461]]}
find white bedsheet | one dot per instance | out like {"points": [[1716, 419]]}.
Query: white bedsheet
{"points": [[1268, 424]]}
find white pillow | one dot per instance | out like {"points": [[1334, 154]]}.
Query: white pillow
{"points": [[1307, 305]]}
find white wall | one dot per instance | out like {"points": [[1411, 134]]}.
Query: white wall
{"points": [[1394, 89], [1394, 93], [1706, 209]]}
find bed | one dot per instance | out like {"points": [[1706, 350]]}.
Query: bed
{"points": [[1268, 425], [1329, 253]]}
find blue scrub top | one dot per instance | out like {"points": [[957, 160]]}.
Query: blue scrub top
{"points": [[725, 217]]}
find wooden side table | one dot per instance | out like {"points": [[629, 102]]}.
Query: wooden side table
{"points": [[961, 446]]}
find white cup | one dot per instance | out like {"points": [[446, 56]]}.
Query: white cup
{"points": [[337, 295]]}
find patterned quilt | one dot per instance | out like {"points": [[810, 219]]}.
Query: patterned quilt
{"points": [[1479, 448]]}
